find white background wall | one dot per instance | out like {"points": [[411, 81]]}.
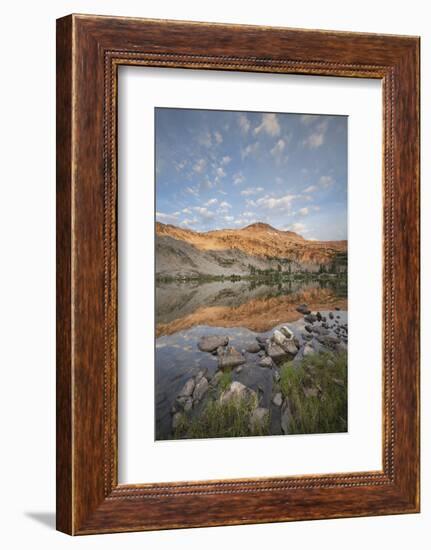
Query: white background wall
{"points": [[27, 297]]}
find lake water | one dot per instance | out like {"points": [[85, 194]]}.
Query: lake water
{"points": [[241, 310]]}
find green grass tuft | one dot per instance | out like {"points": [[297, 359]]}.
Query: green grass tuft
{"points": [[325, 412], [230, 419]]}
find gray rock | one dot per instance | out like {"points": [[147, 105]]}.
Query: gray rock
{"points": [[183, 403], [279, 338], [258, 418], [331, 315], [238, 369], [287, 332], [308, 350], [277, 399], [188, 388], [276, 375], [286, 416], [266, 362], [254, 347], [200, 375], [230, 358], [308, 328], [310, 318], [303, 308], [237, 391], [275, 351], [337, 308], [200, 389], [211, 343], [338, 382], [291, 348]]}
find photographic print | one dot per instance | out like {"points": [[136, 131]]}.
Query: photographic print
{"points": [[250, 274]]}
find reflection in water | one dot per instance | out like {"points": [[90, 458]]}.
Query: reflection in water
{"points": [[258, 307], [186, 311]]}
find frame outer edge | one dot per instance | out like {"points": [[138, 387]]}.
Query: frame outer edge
{"points": [[64, 300], [81, 507]]}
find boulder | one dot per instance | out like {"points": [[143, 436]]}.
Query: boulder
{"points": [[308, 328], [266, 362], [275, 351], [331, 315], [258, 419], [230, 358], [287, 332], [277, 399], [200, 375], [200, 389], [254, 347], [310, 318], [237, 391], [188, 388], [184, 403], [291, 348], [279, 338], [303, 308], [211, 343], [238, 369], [276, 375]]}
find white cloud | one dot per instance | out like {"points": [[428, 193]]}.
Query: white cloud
{"points": [[205, 140], [304, 211], [192, 191], [251, 191], [179, 166], [220, 172], [278, 148], [298, 227], [211, 202], [244, 123], [218, 137], [310, 189], [167, 218], [187, 222], [199, 166], [249, 150], [224, 207], [186, 211], [228, 218], [269, 125], [326, 181], [238, 178], [274, 203], [279, 180], [317, 137], [225, 160], [203, 212]]}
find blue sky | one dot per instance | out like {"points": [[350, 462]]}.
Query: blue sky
{"points": [[220, 169]]}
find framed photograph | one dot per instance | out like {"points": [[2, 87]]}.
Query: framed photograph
{"points": [[237, 274]]}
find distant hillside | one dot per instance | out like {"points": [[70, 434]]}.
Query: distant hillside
{"points": [[257, 247]]}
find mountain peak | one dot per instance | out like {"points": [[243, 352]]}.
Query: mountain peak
{"points": [[260, 226]]}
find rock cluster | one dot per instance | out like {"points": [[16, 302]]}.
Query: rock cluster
{"points": [[320, 332]]}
